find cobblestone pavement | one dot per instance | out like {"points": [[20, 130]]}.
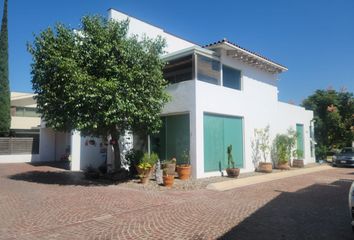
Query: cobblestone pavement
{"points": [[42, 202]]}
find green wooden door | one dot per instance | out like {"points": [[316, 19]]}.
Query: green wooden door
{"points": [[300, 138], [220, 132], [233, 135], [213, 143]]}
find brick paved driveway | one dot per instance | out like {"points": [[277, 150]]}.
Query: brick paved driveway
{"points": [[36, 204]]}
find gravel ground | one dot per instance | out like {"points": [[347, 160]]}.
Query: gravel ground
{"points": [[194, 184]]}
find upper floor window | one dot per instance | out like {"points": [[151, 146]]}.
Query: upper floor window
{"points": [[179, 70], [208, 70], [24, 112], [231, 77]]}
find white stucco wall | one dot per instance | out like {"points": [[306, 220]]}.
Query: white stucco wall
{"points": [[90, 154], [139, 27], [46, 144], [290, 115], [62, 143]]}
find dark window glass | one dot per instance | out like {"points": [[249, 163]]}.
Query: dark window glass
{"points": [[231, 77], [179, 70], [208, 70]]}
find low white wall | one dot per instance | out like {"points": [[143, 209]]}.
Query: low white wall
{"points": [[19, 158], [92, 155]]}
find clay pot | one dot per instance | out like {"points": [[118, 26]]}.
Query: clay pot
{"points": [[265, 167], [184, 171], [233, 172], [168, 180], [144, 174], [283, 166], [144, 179], [298, 163]]}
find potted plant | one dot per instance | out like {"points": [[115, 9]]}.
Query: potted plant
{"points": [[146, 166], [170, 166], [133, 158], [282, 153], [168, 179], [298, 158], [262, 136], [184, 169], [231, 170]]}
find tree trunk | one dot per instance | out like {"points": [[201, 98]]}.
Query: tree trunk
{"points": [[117, 164]]}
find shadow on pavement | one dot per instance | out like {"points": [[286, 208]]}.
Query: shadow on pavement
{"points": [[65, 165], [60, 178], [317, 212]]}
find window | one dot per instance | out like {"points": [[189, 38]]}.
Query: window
{"points": [[179, 70], [25, 112], [208, 70], [231, 77], [311, 132]]}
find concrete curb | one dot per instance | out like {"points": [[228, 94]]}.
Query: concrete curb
{"points": [[236, 183]]}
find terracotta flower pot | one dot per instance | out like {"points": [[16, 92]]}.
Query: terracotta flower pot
{"points": [[184, 171], [283, 166], [233, 172], [144, 179], [144, 174], [298, 163], [265, 167], [168, 180]]}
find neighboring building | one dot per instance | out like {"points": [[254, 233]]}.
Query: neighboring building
{"points": [[24, 118], [220, 94], [23, 143]]}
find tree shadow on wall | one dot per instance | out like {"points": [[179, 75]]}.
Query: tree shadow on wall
{"points": [[316, 212]]}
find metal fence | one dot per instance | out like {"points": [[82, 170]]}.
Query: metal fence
{"points": [[16, 145]]}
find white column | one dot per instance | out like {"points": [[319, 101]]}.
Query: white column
{"points": [[75, 151]]}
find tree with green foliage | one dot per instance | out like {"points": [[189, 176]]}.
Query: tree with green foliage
{"points": [[5, 118], [334, 119], [98, 79]]}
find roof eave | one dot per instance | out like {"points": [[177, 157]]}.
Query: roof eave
{"points": [[187, 51], [248, 57]]}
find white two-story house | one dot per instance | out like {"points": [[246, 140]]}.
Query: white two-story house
{"points": [[221, 93]]}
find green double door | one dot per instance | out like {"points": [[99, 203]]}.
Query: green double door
{"points": [[219, 133]]}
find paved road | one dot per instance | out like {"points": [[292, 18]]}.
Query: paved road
{"points": [[38, 202]]}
